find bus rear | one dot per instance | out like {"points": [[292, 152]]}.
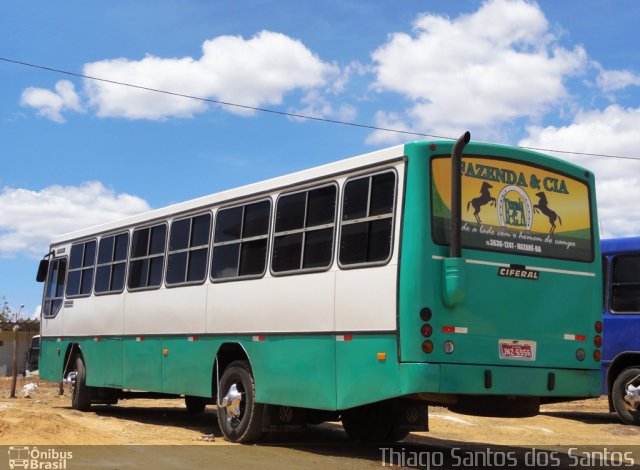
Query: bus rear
{"points": [[515, 319]]}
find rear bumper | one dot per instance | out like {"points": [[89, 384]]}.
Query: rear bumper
{"points": [[503, 380]]}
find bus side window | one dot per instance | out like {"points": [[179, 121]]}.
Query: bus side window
{"points": [[304, 232], [240, 241], [605, 282], [81, 264], [54, 290], [367, 219], [625, 284], [112, 264], [188, 250], [146, 257]]}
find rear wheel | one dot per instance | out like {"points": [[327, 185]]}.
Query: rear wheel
{"points": [[80, 392], [239, 416], [619, 391], [372, 423]]}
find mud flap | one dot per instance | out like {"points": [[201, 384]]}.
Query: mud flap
{"points": [[277, 418], [410, 415]]}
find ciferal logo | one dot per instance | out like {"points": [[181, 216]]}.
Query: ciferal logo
{"points": [[519, 272], [34, 458]]}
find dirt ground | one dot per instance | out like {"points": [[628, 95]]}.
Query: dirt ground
{"points": [[162, 432]]}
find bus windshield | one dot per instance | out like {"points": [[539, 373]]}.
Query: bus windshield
{"points": [[513, 207]]}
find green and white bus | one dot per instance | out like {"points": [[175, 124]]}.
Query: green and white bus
{"points": [[362, 290]]}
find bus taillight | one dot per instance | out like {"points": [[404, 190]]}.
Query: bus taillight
{"points": [[597, 341], [597, 355], [598, 327], [426, 330], [425, 314], [427, 347]]}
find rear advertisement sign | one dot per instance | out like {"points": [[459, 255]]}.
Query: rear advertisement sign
{"points": [[515, 208]]}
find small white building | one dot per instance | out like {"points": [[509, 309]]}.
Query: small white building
{"points": [[27, 329]]}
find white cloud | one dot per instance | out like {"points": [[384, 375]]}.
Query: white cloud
{"points": [[616, 131], [28, 219], [612, 80], [317, 106], [389, 121], [50, 104], [36, 313], [476, 71], [253, 72]]}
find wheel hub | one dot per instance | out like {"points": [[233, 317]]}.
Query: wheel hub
{"points": [[231, 402], [632, 396], [71, 379]]}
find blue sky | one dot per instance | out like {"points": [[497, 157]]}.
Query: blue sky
{"points": [[553, 74]]}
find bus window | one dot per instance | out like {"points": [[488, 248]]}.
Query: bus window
{"points": [[240, 241], [367, 219], [304, 232], [625, 284], [605, 280], [146, 257], [54, 290], [112, 263], [81, 263], [188, 250]]}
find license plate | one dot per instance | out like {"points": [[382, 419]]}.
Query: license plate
{"points": [[517, 349]]}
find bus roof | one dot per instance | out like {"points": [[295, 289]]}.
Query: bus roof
{"points": [[614, 246], [273, 184]]}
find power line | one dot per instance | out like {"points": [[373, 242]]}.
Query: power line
{"points": [[224, 103], [284, 113]]}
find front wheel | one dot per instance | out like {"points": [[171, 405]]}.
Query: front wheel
{"points": [[80, 392], [239, 416], [619, 391]]}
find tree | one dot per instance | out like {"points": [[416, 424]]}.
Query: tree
{"points": [[7, 313], [5, 310]]}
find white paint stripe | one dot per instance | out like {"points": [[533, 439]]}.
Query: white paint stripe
{"points": [[532, 268], [562, 271], [488, 263]]}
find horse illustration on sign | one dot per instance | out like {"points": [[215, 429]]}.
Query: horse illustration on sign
{"points": [[543, 206], [484, 198]]}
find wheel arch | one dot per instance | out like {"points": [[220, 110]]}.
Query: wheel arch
{"points": [[226, 354], [73, 349], [620, 362]]}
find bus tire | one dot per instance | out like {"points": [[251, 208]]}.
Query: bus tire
{"points": [[618, 392], [80, 392], [243, 422], [372, 423], [195, 405]]}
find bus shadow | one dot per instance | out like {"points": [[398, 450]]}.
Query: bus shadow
{"points": [[205, 423], [330, 440]]}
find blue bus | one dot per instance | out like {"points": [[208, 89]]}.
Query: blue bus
{"points": [[621, 345]]}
